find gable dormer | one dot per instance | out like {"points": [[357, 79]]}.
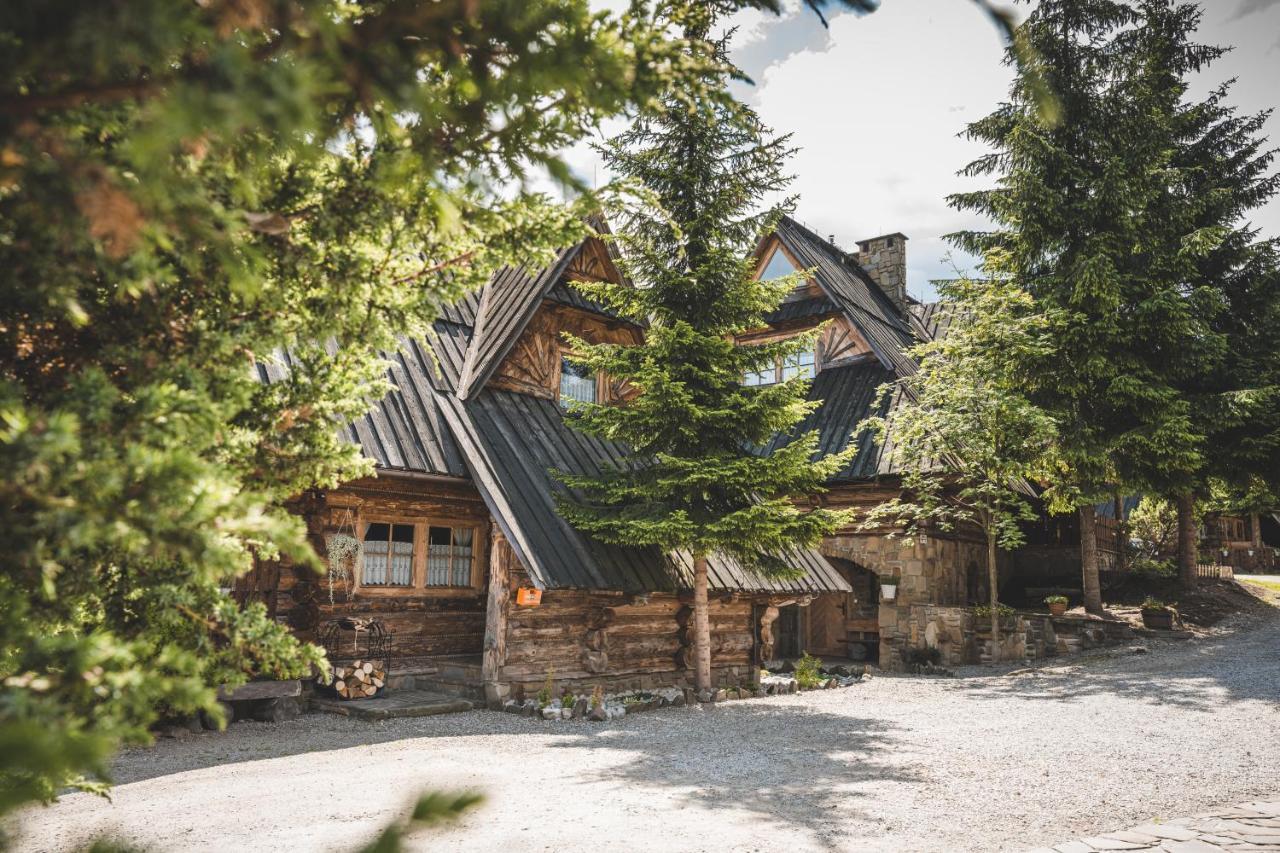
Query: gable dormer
{"points": [[538, 361], [804, 308]]}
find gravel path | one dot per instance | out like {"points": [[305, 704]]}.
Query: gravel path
{"points": [[982, 762]]}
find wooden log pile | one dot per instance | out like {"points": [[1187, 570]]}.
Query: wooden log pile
{"points": [[360, 680]]}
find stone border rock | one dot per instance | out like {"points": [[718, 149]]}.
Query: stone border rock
{"points": [[618, 705]]}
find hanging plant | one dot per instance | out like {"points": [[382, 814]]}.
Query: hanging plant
{"points": [[344, 550]]}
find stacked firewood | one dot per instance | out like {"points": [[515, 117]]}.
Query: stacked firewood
{"points": [[360, 680]]}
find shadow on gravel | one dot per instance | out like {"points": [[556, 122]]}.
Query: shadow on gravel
{"points": [[778, 758], [794, 765], [1200, 674]]}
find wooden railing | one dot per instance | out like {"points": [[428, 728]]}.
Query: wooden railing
{"points": [[1212, 570], [1107, 533]]}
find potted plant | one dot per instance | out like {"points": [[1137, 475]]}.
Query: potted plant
{"points": [[1057, 604], [888, 589], [1157, 615]]}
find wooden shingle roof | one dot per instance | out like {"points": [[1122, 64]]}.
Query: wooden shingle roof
{"points": [[440, 419], [512, 442]]}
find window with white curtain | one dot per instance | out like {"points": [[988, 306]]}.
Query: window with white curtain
{"points": [[388, 555], [449, 555], [577, 382]]}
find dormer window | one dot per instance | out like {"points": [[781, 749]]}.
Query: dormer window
{"points": [[800, 364], [577, 382]]}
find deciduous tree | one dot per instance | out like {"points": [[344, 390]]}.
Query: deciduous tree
{"points": [[967, 437]]}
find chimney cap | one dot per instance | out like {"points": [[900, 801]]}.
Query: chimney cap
{"points": [[862, 244]]}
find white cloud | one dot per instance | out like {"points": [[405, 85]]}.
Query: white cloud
{"points": [[876, 116]]}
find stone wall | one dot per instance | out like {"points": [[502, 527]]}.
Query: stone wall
{"points": [[962, 638], [929, 570], [932, 570]]}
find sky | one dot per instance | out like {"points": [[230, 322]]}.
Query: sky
{"points": [[875, 104]]}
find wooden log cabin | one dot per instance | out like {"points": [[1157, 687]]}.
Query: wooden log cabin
{"points": [[486, 590]]}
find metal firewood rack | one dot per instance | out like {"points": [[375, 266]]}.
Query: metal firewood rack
{"points": [[350, 639]]}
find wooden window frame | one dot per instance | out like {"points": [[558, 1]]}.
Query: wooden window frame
{"points": [[779, 364], [602, 382], [418, 587]]}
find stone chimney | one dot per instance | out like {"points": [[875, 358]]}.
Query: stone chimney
{"points": [[885, 258]]}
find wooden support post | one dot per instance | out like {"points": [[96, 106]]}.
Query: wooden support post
{"points": [[767, 618], [501, 560], [701, 628]]}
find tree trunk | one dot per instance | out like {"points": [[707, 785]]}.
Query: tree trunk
{"points": [[1122, 535], [1187, 541], [494, 654], [701, 627], [993, 575], [1089, 560]]}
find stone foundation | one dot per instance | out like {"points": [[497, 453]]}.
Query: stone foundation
{"points": [[962, 638]]}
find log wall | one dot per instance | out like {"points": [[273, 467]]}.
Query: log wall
{"points": [[586, 638], [425, 621]]}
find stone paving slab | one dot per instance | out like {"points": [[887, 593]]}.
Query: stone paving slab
{"points": [[396, 703], [1245, 828]]}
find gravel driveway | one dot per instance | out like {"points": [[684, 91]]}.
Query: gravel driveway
{"points": [[982, 762]]}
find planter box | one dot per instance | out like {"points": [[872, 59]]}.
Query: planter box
{"points": [[1158, 620], [1058, 609]]}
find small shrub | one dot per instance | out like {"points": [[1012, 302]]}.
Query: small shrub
{"points": [[1056, 599], [597, 697], [548, 688], [983, 611], [1153, 603], [808, 672], [1147, 567]]}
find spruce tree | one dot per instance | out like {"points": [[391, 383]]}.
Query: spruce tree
{"points": [[1071, 210], [1213, 169], [696, 480]]}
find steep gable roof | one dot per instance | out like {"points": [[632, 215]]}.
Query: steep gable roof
{"points": [[511, 299], [852, 289], [507, 304], [440, 419]]}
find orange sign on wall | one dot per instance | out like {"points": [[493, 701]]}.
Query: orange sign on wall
{"points": [[528, 596]]}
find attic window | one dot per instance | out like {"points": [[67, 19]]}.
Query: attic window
{"points": [[801, 364], [577, 382], [778, 266]]}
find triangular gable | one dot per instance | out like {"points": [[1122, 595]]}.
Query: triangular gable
{"points": [[852, 289], [511, 299]]}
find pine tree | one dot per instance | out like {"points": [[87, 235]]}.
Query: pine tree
{"points": [[1072, 207], [696, 480]]}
